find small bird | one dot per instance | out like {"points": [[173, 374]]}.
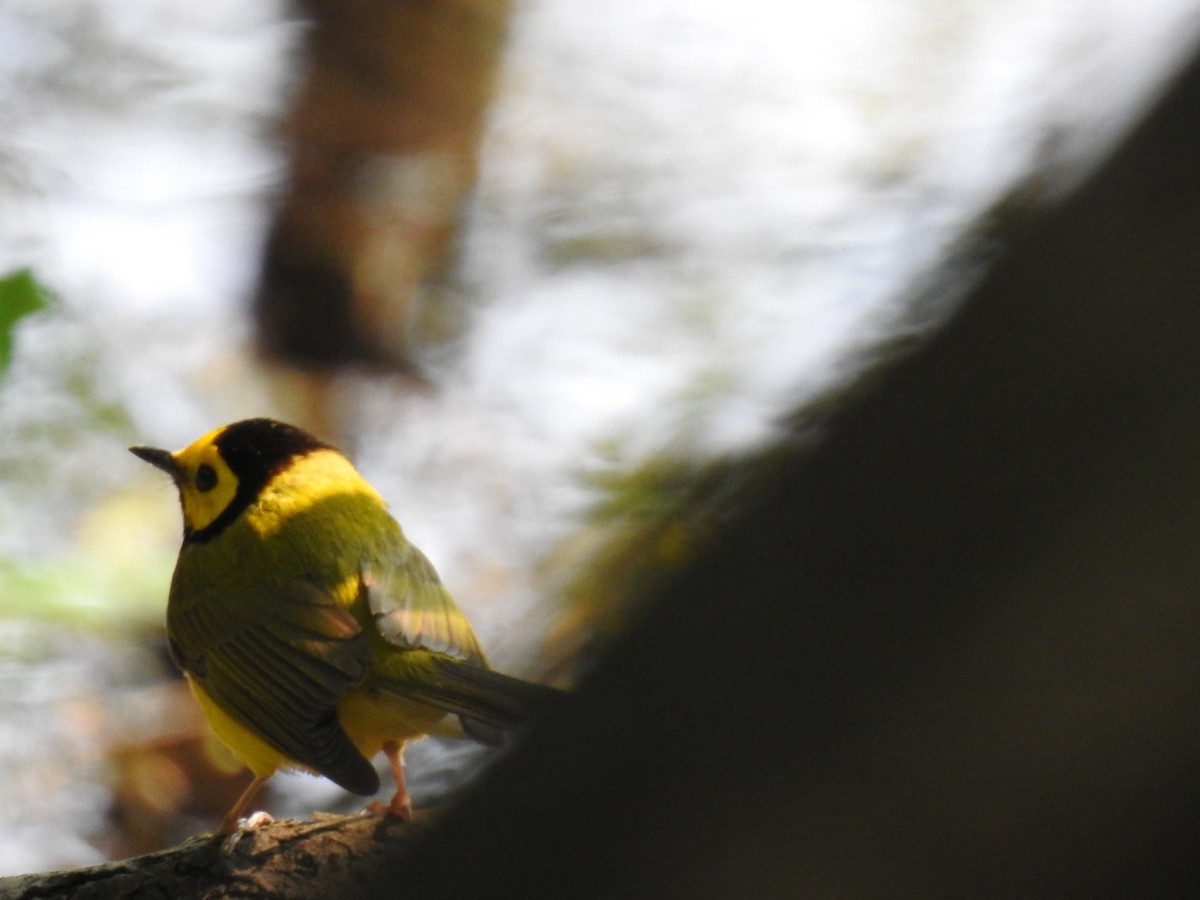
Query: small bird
{"points": [[312, 633]]}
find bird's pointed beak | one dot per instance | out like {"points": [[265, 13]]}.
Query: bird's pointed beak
{"points": [[160, 459]]}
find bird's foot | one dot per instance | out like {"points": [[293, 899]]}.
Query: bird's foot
{"points": [[235, 831], [400, 808]]}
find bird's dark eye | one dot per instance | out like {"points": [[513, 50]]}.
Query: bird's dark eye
{"points": [[206, 478]]}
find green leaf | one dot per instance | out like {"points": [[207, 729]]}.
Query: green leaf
{"points": [[20, 295]]}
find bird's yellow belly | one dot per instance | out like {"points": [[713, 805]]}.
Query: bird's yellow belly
{"points": [[373, 718], [261, 758], [369, 718]]}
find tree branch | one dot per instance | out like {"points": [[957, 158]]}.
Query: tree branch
{"points": [[287, 859]]}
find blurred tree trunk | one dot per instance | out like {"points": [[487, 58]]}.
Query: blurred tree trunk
{"points": [[383, 136], [954, 650]]}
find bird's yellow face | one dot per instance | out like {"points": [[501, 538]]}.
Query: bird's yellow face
{"points": [[225, 471], [206, 484]]}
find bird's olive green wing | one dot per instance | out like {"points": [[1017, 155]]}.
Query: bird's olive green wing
{"points": [[279, 664], [413, 609], [446, 668]]}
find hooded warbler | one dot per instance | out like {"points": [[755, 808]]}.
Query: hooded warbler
{"points": [[312, 633]]}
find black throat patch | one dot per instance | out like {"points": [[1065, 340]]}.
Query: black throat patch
{"points": [[256, 450]]}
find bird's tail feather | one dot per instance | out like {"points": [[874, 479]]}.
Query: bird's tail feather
{"points": [[489, 704]]}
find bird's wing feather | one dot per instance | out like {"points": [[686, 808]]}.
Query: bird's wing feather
{"points": [[279, 665], [413, 609], [447, 668]]}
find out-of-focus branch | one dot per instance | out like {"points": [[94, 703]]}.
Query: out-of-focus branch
{"points": [[952, 651]]}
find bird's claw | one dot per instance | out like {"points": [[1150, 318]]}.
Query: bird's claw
{"points": [[244, 827], [402, 810]]}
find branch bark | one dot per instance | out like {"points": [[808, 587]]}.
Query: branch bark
{"points": [[285, 860]]}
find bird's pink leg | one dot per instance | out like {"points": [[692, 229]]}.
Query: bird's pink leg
{"points": [[230, 823], [401, 805]]}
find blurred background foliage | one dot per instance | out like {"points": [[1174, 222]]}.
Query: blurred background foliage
{"points": [[20, 296], [551, 271]]}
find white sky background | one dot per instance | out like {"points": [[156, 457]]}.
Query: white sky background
{"points": [[777, 173], [764, 179]]}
